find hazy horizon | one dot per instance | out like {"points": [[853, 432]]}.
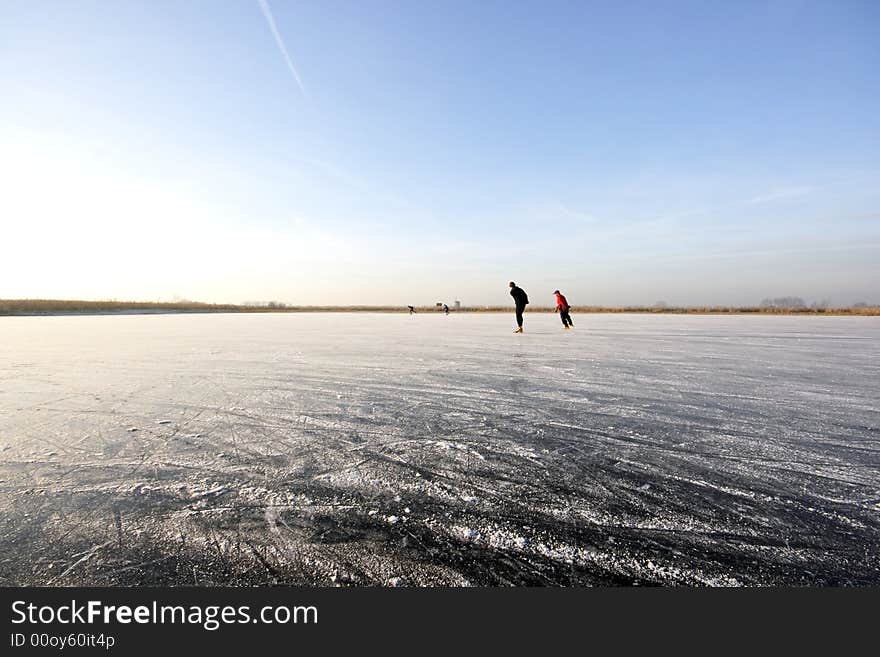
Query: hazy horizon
{"points": [[370, 153]]}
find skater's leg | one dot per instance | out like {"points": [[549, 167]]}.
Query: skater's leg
{"points": [[562, 317], [519, 315]]}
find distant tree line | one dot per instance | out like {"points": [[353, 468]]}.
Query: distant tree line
{"points": [[783, 302], [798, 302]]}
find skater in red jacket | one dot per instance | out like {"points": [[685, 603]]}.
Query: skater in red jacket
{"points": [[563, 308]]}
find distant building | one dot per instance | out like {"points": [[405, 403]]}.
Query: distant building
{"points": [[457, 305]]}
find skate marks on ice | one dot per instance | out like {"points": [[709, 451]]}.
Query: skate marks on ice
{"points": [[365, 449]]}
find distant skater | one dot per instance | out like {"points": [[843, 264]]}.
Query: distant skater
{"points": [[521, 299], [563, 309], [445, 309], [412, 310]]}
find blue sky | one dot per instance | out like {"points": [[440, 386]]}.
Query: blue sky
{"points": [[626, 152]]}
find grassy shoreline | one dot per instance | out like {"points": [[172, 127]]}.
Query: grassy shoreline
{"points": [[30, 307]]}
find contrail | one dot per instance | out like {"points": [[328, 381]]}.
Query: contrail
{"points": [[267, 12]]}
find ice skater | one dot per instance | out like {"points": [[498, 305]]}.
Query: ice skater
{"points": [[521, 299], [563, 309], [445, 309], [412, 310]]}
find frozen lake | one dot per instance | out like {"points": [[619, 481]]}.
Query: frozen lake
{"points": [[427, 450]]}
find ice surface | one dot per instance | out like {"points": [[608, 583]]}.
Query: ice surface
{"points": [[347, 449]]}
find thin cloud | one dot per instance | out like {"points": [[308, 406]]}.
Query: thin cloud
{"points": [[267, 12], [774, 252], [565, 211], [358, 184], [780, 195]]}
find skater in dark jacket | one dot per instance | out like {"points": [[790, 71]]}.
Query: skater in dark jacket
{"points": [[521, 299], [563, 309]]}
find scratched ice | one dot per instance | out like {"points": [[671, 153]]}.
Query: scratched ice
{"points": [[387, 449]]}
